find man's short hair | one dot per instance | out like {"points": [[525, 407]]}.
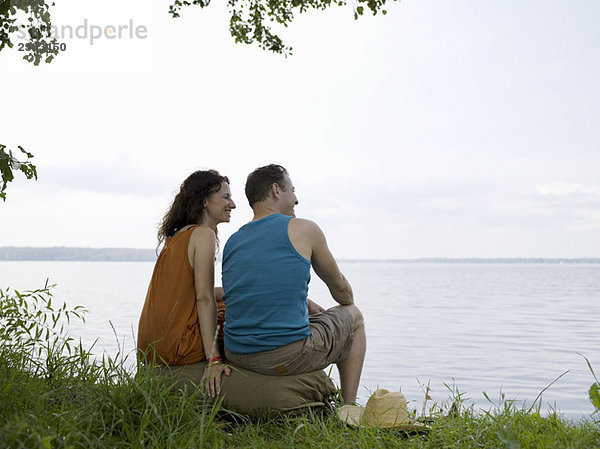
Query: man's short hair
{"points": [[259, 182]]}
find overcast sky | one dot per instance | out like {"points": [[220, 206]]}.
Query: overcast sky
{"points": [[443, 129]]}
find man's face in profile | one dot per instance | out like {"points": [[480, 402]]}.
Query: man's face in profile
{"points": [[288, 197]]}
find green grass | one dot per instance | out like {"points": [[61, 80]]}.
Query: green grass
{"points": [[54, 395], [510, 429]]}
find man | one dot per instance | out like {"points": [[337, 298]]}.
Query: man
{"points": [[271, 327]]}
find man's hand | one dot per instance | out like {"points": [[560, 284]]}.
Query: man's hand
{"points": [[313, 307], [212, 378]]}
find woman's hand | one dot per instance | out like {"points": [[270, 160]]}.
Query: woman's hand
{"points": [[212, 378]]}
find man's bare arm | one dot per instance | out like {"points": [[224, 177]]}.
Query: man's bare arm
{"points": [[327, 269]]}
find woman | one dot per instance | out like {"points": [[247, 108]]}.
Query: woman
{"points": [[178, 324]]}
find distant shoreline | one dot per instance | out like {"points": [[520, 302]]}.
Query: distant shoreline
{"points": [[62, 253], [525, 260]]}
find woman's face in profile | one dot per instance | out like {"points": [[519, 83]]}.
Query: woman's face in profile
{"points": [[219, 204]]}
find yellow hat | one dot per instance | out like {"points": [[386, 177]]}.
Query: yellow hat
{"points": [[384, 410]]}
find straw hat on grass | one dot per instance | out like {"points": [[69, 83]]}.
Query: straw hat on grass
{"points": [[384, 410]]}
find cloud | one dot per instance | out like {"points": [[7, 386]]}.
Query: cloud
{"points": [[567, 189], [573, 207], [120, 177]]}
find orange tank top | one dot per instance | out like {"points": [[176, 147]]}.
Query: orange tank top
{"points": [[169, 327]]}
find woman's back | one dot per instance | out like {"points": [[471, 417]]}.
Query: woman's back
{"points": [[169, 321]]}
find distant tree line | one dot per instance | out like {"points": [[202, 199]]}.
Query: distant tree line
{"points": [[499, 260], [80, 254], [142, 255]]}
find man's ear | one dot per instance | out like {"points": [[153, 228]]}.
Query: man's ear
{"points": [[275, 189]]}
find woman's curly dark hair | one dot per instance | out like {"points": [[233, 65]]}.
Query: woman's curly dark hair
{"points": [[188, 205]]}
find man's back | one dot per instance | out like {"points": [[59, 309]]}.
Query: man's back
{"points": [[266, 270], [265, 280]]}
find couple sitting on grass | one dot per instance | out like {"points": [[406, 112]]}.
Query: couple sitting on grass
{"points": [[272, 331]]}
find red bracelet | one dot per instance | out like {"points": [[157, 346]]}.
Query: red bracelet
{"points": [[210, 360]]}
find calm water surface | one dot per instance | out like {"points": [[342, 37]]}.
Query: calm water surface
{"points": [[506, 329]]}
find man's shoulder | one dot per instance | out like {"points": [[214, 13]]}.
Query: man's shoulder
{"points": [[303, 224], [236, 238], [301, 229], [232, 238]]}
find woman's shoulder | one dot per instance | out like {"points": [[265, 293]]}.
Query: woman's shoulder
{"points": [[202, 234], [203, 244]]}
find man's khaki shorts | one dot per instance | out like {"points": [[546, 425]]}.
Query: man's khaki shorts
{"points": [[330, 340]]}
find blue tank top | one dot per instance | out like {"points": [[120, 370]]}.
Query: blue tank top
{"points": [[266, 287]]}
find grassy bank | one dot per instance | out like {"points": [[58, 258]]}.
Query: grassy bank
{"points": [[54, 395]]}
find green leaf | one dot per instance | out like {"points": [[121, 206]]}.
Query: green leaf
{"points": [[4, 7], [590, 367], [595, 395]]}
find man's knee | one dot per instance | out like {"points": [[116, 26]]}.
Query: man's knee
{"points": [[356, 315]]}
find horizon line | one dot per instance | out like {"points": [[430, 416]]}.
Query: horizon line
{"points": [[150, 254]]}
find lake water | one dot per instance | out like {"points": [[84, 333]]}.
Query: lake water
{"points": [[497, 328]]}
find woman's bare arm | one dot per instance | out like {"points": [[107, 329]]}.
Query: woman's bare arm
{"points": [[202, 249]]}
